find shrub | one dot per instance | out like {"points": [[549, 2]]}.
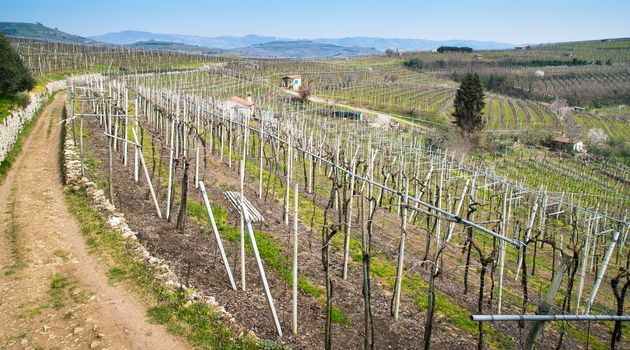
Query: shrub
{"points": [[414, 63], [14, 76]]}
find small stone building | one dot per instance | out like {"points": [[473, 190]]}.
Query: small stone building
{"points": [[566, 143], [292, 82], [236, 106]]}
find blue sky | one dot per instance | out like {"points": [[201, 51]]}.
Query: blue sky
{"points": [[515, 21]]}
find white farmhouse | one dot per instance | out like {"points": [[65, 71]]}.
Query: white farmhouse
{"points": [[292, 81], [238, 106], [566, 143]]}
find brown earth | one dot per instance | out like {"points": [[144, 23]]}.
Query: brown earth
{"points": [[53, 294], [193, 256]]}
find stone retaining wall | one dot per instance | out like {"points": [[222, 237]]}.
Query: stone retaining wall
{"points": [[14, 123]]}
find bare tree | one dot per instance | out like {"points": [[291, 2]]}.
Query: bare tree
{"points": [[597, 137], [561, 108]]}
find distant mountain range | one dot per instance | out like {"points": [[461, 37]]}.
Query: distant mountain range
{"points": [[218, 42], [383, 44], [302, 49], [248, 45], [171, 46], [232, 42]]}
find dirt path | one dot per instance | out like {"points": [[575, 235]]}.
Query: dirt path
{"points": [[380, 119], [52, 293]]}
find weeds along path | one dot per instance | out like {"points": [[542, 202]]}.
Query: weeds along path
{"points": [[52, 293]]}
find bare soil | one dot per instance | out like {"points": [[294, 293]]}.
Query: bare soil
{"points": [[193, 256], [195, 259], [53, 294]]}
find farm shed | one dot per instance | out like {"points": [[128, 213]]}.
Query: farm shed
{"points": [[566, 143], [522, 47], [239, 106], [292, 81]]}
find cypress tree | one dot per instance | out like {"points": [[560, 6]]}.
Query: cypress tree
{"points": [[469, 104], [14, 75]]}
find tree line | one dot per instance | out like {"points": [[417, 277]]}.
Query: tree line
{"points": [[443, 49]]}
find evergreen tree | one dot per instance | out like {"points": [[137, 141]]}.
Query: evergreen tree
{"points": [[469, 104], [14, 75]]}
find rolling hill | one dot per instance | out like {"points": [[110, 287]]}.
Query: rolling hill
{"points": [[171, 46], [220, 42], [413, 44], [40, 32]]}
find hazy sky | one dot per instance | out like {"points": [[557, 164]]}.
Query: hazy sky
{"points": [[516, 21]]}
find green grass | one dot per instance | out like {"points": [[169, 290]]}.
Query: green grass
{"points": [[583, 337], [57, 292], [508, 118], [495, 114], [115, 274], [270, 251], [8, 104], [33, 312], [11, 236]]}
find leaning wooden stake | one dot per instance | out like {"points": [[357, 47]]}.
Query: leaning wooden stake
{"points": [[401, 254], [146, 174], [261, 270], [602, 271], [215, 230]]}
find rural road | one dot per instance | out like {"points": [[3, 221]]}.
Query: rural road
{"points": [[52, 293]]}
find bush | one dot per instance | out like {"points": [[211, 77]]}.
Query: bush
{"points": [[14, 76], [22, 100], [414, 63], [304, 93]]}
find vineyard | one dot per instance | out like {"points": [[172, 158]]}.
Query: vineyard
{"points": [[53, 59], [316, 231], [615, 50]]}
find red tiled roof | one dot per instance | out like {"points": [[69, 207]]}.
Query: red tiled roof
{"points": [[564, 139], [241, 101]]}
